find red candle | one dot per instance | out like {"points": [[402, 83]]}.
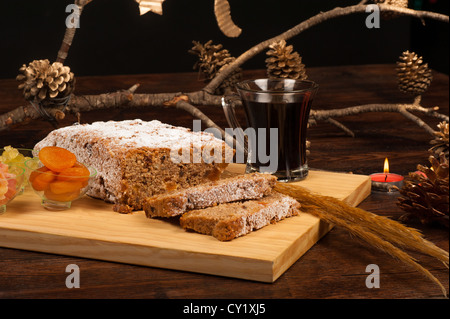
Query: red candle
{"points": [[385, 181], [386, 177]]}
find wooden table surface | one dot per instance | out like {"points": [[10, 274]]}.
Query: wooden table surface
{"points": [[335, 268]]}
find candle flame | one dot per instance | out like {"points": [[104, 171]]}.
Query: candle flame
{"points": [[386, 166]]}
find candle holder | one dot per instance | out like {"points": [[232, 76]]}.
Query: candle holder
{"points": [[386, 182]]}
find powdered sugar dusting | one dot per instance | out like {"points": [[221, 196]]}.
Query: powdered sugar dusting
{"points": [[152, 134]]}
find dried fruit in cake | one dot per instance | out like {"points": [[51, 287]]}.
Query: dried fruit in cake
{"points": [[237, 188], [230, 220], [56, 158]]}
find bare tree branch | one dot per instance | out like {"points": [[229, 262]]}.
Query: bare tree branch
{"points": [[313, 21], [341, 126], [70, 33], [404, 109], [186, 101]]}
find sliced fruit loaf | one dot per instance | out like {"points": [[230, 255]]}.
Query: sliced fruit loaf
{"points": [[241, 187], [228, 221]]}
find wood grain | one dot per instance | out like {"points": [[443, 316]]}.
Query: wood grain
{"points": [[334, 268], [91, 229]]}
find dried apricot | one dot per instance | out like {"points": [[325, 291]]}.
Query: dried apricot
{"points": [[64, 197], [56, 158], [76, 174], [37, 172], [61, 187], [41, 178], [39, 185]]}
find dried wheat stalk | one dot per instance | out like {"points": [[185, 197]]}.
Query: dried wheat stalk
{"points": [[384, 227], [378, 231]]}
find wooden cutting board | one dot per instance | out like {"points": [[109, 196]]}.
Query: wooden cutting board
{"points": [[91, 229]]}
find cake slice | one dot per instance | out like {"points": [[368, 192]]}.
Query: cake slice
{"points": [[228, 221], [241, 187]]}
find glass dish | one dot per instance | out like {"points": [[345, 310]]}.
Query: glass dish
{"points": [[12, 180], [58, 190], [16, 156]]}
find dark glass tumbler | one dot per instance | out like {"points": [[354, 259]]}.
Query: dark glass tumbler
{"points": [[277, 112]]}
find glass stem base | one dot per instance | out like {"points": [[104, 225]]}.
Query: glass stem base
{"points": [[295, 175]]}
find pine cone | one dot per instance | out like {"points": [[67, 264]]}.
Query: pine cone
{"points": [[284, 63], [440, 142], [414, 77], [426, 194], [397, 3], [41, 80], [211, 59]]}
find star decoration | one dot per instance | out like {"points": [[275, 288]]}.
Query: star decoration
{"points": [[150, 5]]}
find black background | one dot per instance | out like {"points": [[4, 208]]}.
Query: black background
{"points": [[114, 39]]}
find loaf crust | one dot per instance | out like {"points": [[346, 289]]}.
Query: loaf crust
{"points": [[134, 159], [238, 188], [231, 220]]}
